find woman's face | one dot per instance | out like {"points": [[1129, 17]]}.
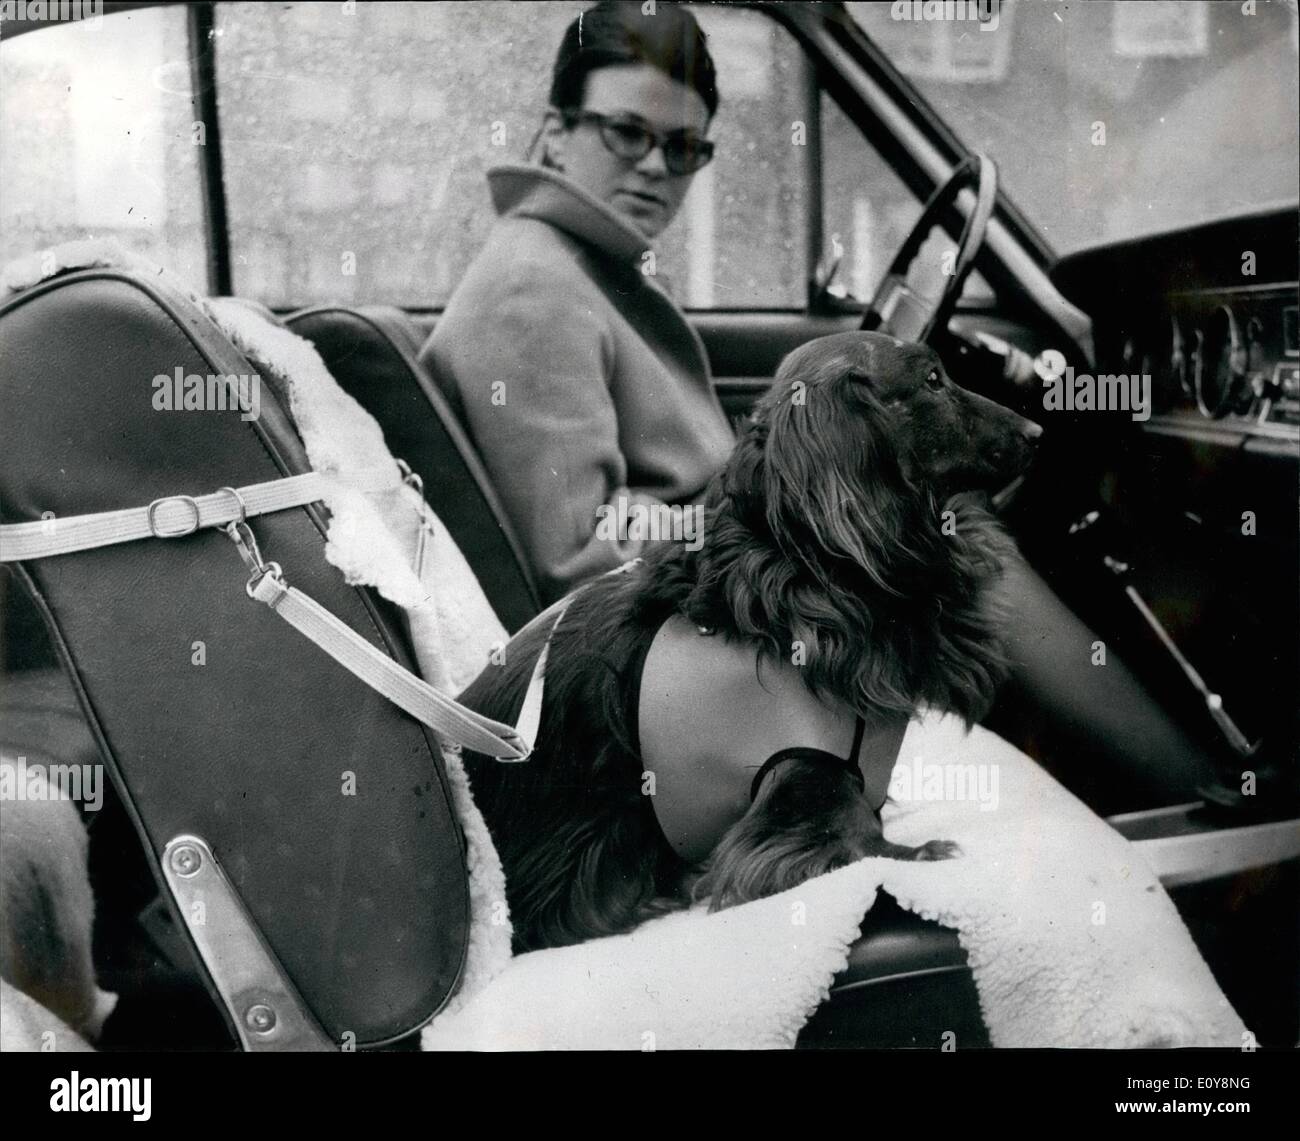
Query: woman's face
{"points": [[643, 190]]}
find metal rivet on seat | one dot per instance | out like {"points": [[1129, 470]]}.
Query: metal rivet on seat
{"points": [[260, 1018], [186, 860]]}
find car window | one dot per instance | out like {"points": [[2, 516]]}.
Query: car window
{"points": [[742, 237], [356, 139], [98, 138], [1110, 120], [868, 211]]}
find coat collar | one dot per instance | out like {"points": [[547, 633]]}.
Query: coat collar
{"points": [[528, 191]]}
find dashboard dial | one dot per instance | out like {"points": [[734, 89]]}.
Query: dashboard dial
{"points": [[1218, 363]]}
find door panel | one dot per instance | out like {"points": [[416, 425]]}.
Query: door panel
{"points": [[745, 348], [742, 344]]}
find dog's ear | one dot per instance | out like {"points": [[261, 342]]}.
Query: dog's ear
{"points": [[808, 819], [740, 483], [834, 483]]}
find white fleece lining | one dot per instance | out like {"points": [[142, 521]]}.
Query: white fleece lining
{"points": [[1071, 940]]}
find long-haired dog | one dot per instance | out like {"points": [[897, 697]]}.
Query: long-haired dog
{"points": [[836, 524]]}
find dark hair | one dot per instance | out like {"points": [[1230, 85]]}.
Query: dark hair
{"points": [[618, 32]]}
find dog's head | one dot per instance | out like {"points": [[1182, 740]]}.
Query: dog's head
{"points": [[831, 536], [808, 818], [894, 400]]}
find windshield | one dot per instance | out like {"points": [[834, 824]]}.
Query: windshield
{"points": [[1111, 120]]}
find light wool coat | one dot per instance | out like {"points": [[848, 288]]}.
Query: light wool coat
{"points": [[577, 376]]}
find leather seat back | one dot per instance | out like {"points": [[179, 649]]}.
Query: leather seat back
{"points": [[253, 743], [371, 352]]}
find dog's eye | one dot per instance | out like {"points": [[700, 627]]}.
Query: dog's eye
{"points": [[934, 381]]}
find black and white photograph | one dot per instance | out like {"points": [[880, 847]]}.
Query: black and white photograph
{"points": [[649, 528]]}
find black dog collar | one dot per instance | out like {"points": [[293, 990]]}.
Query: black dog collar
{"points": [[801, 753]]}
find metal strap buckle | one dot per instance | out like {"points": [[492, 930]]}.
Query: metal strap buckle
{"points": [[409, 477], [241, 534], [412, 480], [152, 512], [519, 743]]}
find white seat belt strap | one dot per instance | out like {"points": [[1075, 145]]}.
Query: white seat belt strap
{"points": [[175, 516], [530, 714], [172, 516], [408, 692]]}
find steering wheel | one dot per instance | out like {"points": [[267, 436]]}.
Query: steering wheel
{"points": [[897, 308]]}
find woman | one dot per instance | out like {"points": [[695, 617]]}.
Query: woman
{"points": [[586, 391]]}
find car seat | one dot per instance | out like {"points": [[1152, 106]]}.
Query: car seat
{"points": [[330, 920], [370, 352]]}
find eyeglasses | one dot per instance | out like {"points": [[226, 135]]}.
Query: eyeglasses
{"points": [[684, 151]]}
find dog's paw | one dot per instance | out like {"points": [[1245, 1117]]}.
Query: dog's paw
{"points": [[937, 850]]}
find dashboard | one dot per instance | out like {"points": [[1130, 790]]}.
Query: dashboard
{"points": [[1198, 499], [1210, 315]]}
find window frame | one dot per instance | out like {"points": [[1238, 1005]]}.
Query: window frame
{"points": [[814, 67], [212, 181]]}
